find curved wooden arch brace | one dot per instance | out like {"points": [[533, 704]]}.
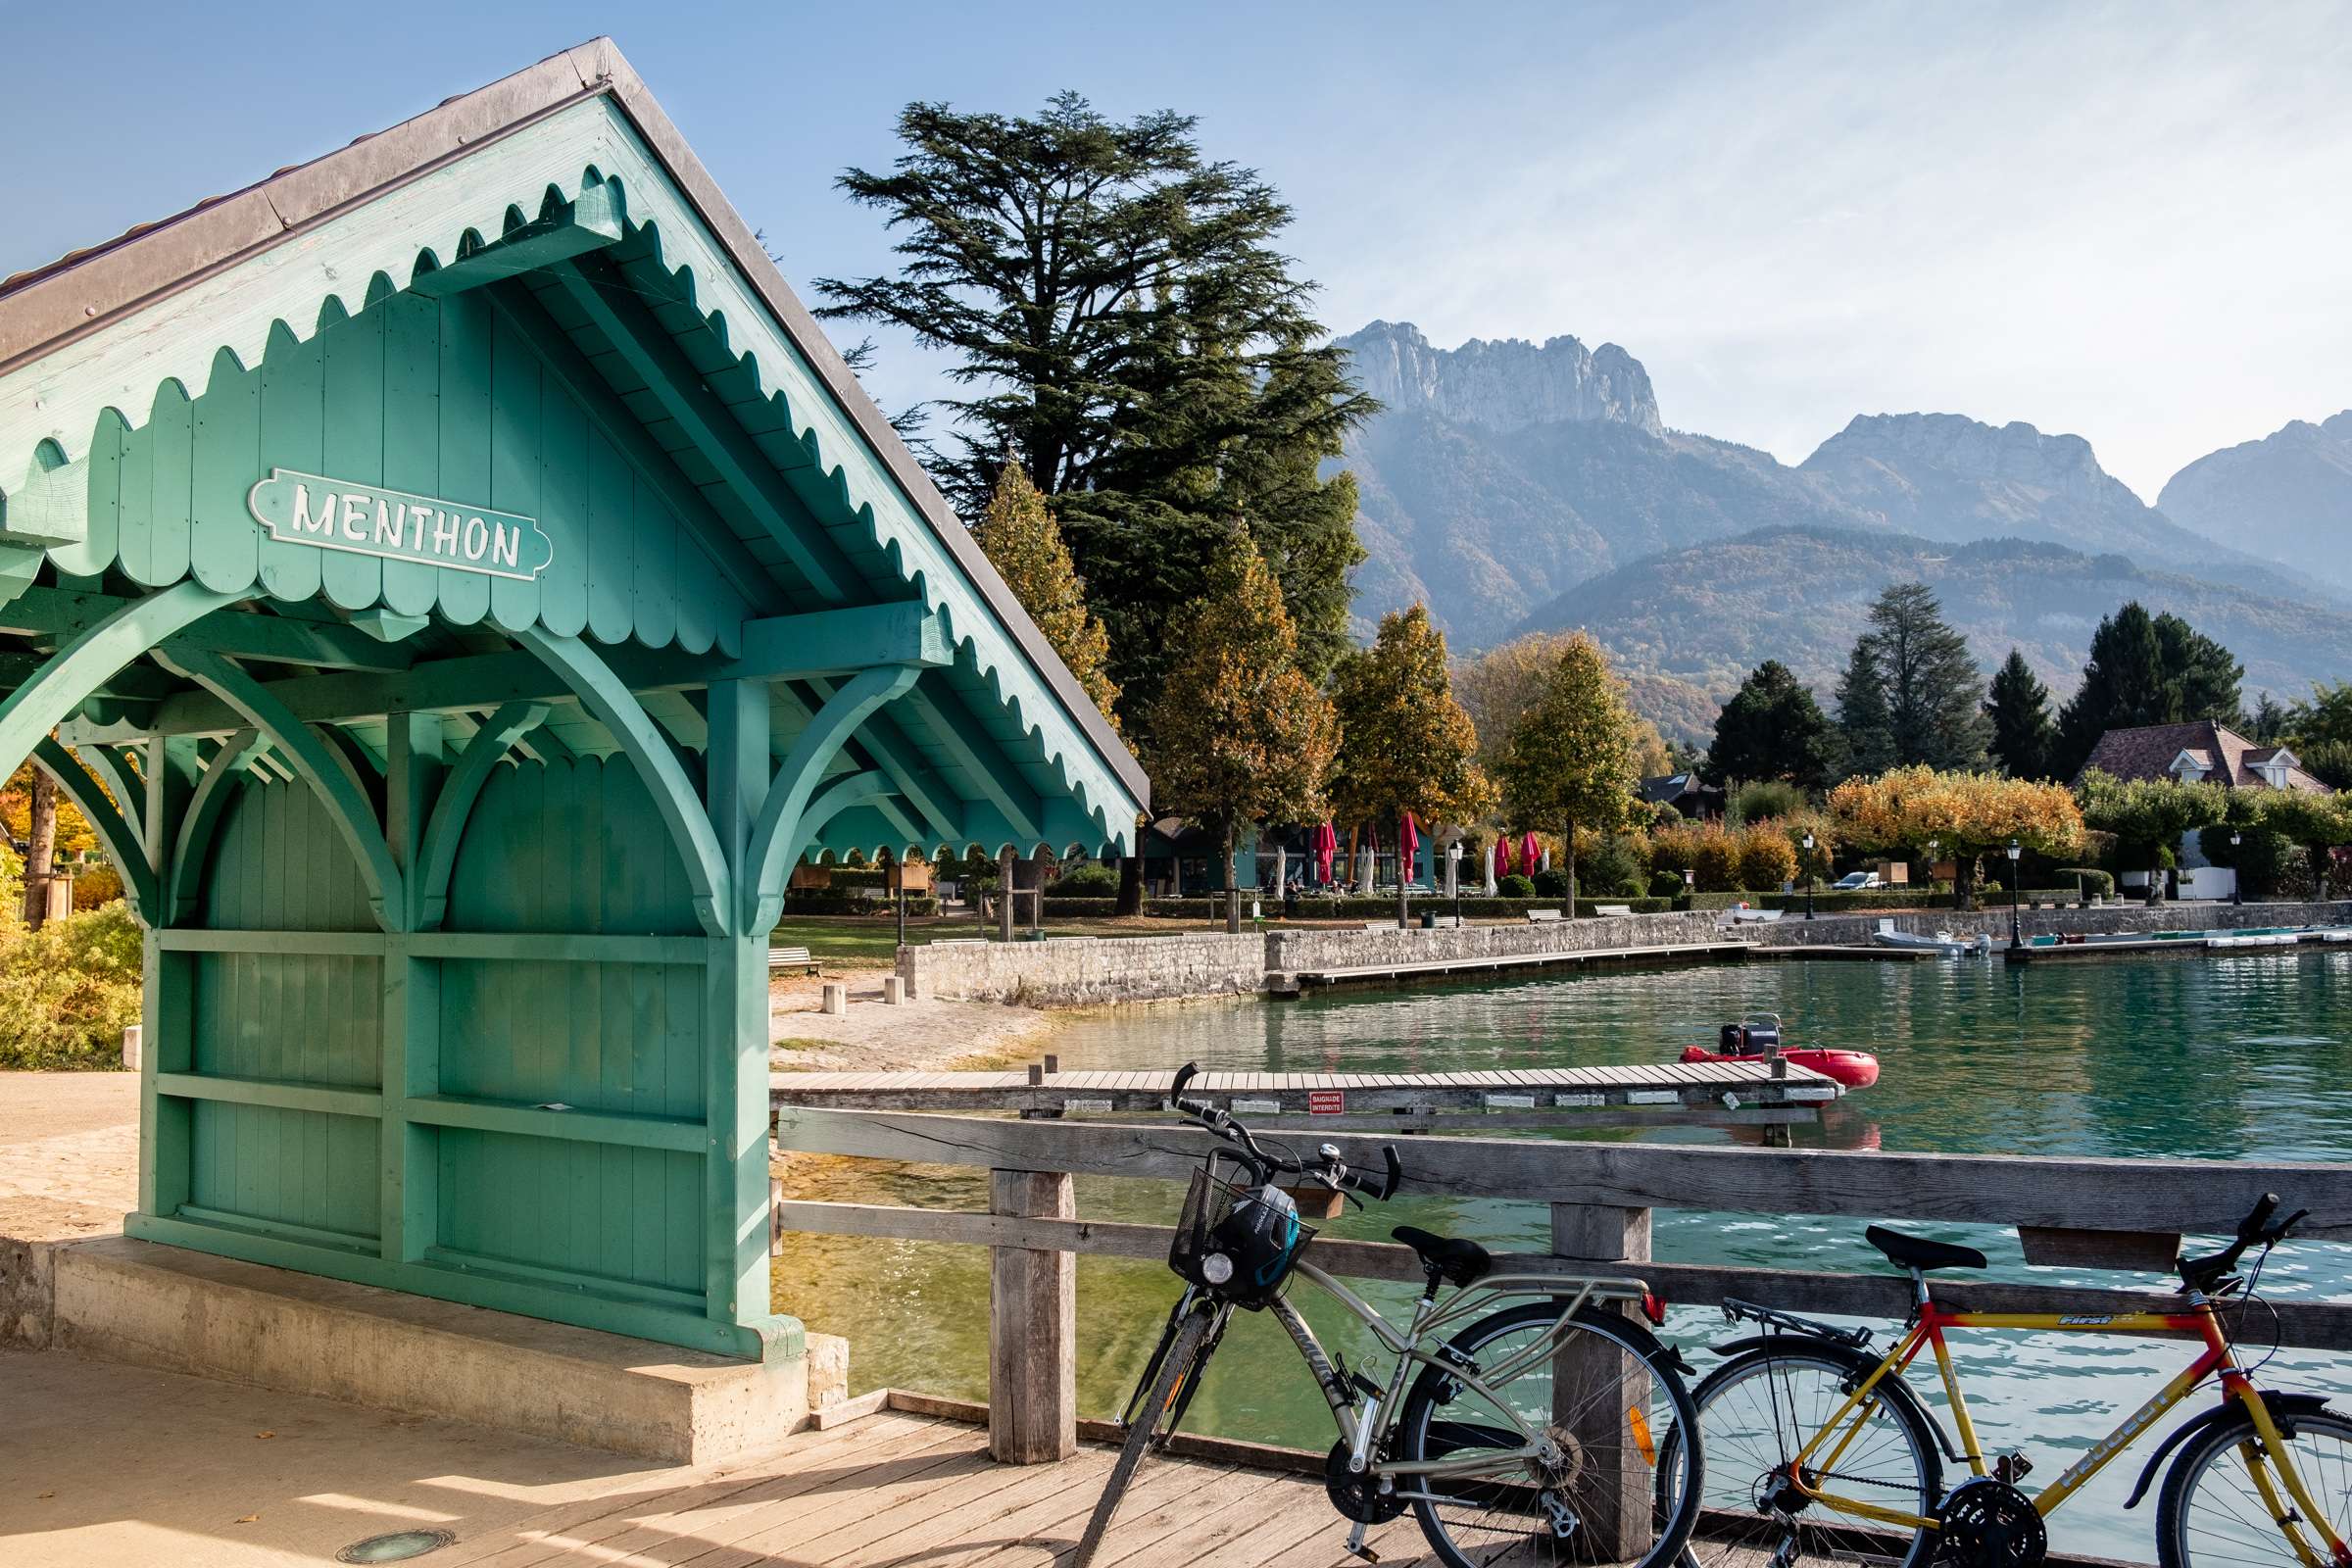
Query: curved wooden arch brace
{"points": [[128, 788], [194, 846], [114, 830], [849, 793], [81, 667], [318, 764], [437, 856], [674, 795], [767, 859]]}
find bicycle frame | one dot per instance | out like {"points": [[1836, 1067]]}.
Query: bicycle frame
{"points": [[1927, 1330]]}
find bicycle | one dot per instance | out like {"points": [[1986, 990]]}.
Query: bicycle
{"points": [[1815, 1449], [1495, 1454]]}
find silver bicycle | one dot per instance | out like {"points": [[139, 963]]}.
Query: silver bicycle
{"points": [[1532, 1434]]}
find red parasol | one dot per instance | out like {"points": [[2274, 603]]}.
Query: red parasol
{"points": [[1327, 844], [1408, 846], [1530, 853], [1502, 856]]}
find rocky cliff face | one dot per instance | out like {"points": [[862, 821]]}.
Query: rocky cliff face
{"points": [[2288, 496], [1507, 385]]}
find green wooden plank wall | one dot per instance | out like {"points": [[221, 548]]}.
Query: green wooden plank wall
{"points": [[445, 398]]}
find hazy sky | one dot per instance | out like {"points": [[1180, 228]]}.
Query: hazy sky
{"points": [[2128, 221]]}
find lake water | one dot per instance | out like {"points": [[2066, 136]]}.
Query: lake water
{"points": [[2223, 1057]]}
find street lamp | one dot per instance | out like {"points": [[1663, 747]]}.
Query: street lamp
{"points": [[2016, 937], [2237, 878], [1453, 874], [1808, 876]]}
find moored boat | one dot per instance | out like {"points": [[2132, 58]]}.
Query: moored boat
{"points": [[1757, 1041]]}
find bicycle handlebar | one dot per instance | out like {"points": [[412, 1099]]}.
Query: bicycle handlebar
{"points": [[1267, 1166], [2255, 1230]]}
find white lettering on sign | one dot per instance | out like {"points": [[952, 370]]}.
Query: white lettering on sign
{"points": [[310, 509], [1326, 1101]]}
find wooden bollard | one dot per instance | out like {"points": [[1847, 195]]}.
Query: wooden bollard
{"points": [[1052, 1063], [1036, 1075], [1593, 1387]]}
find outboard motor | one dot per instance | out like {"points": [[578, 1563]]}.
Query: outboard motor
{"points": [[1762, 1036], [1732, 1040]]}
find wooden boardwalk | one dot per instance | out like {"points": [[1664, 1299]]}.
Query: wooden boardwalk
{"points": [[1665, 1085], [899, 1491]]}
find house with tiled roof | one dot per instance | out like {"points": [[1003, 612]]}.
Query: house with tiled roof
{"points": [[2202, 751]]}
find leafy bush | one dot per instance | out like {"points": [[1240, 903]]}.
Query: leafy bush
{"points": [[1765, 859], [1715, 857], [95, 885], [1515, 886], [68, 990], [1552, 883], [1665, 885], [1764, 800], [1665, 815], [1091, 880], [2095, 883]]}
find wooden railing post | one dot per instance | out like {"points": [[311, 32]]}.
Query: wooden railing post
{"points": [[1032, 1327], [1592, 1389]]}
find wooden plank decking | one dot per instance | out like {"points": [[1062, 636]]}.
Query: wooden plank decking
{"points": [[898, 1490], [1320, 1095]]}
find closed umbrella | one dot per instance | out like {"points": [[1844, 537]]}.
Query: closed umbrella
{"points": [[1529, 848], [1408, 846], [1502, 856], [1327, 844]]}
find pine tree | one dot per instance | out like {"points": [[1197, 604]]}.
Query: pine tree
{"points": [[1019, 536], [2145, 669], [1934, 693], [1408, 745], [2020, 710], [1570, 757], [2201, 677], [1240, 734], [1864, 729], [1772, 728]]}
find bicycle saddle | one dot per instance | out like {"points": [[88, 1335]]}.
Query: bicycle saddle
{"points": [[1461, 1263], [1917, 1252]]}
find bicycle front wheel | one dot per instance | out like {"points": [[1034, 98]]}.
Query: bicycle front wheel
{"points": [[1599, 1393], [1758, 1412], [2226, 1494], [1152, 1420]]}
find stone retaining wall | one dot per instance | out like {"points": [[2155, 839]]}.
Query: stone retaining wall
{"points": [[1077, 971], [1855, 930]]}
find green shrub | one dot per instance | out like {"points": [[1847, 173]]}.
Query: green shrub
{"points": [[1552, 883], [1515, 886], [1665, 885], [68, 990], [1092, 881], [1764, 800], [1765, 859], [1715, 857], [2095, 883]]}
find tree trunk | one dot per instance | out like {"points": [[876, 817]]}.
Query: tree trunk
{"points": [[1233, 882], [1964, 882], [1568, 854], [1131, 885], [40, 849], [2156, 879]]}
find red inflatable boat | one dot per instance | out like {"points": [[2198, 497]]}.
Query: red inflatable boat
{"points": [[1748, 1041]]}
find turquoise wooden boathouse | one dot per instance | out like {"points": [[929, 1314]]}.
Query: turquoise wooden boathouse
{"points": [[460, 581]]}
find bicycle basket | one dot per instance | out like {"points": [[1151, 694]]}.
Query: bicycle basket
{"points": [[1256, 1235]]}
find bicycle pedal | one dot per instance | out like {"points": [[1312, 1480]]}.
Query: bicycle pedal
{"points": [[1364, 1553]]}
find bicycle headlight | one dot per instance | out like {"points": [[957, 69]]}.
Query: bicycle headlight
{"points": [[1216, 1268]]}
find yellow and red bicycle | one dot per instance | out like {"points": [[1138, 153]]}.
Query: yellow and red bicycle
{"points": [[1814, 1450]]}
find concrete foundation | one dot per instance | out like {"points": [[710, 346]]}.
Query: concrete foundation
{"points": [[159, 1306]]}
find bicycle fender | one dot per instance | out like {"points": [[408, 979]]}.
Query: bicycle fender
{"points": [[1858, 1363], [2279, 1404]]}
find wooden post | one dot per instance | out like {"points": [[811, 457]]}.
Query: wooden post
{"points": [[1032, 1328], [1005, 894], [1592, 1392]]}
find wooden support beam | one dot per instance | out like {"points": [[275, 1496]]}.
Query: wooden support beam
{"points": [[884, 740], [93, 654], [686, 397], [842, 641], [981, 754], [900, 633], [436, 855], [1594, 1387], [778, 834], [133, 683], [591, 222], [408, 1207], [63, 613], [1032, 1327], [115, 831], [554, 349]]}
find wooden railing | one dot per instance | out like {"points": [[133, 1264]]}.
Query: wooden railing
{"points": [[2086, 1213]]}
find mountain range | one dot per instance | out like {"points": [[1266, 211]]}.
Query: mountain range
{"points": [[1512, 485]]}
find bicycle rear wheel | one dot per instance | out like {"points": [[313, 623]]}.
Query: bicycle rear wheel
{"points": [[1757, 1412], [1596, 1500], [1152, 1420], [2224, 1494]]}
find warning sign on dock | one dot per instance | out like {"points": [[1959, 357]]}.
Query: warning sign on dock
{"points": [[1326, 1101]]}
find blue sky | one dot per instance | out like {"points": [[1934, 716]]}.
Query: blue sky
{"points": [[2130, 222]]}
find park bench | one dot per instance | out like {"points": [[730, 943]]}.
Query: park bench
{"points": [[1613, 908], [1539, 916], [791, 958]]}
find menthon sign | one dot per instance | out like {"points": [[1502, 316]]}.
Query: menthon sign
{"points": [[310, 509]]}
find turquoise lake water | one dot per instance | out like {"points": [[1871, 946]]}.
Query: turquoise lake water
{"points": [[2222, 1058]]}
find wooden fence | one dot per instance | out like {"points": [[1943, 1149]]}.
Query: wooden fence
{"points": [[2087, 1213]]}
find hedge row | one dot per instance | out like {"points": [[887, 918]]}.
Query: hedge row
{"points": [[818, 902]]}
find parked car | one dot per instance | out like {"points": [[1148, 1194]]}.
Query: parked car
{"points": [[1853, 881]]}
